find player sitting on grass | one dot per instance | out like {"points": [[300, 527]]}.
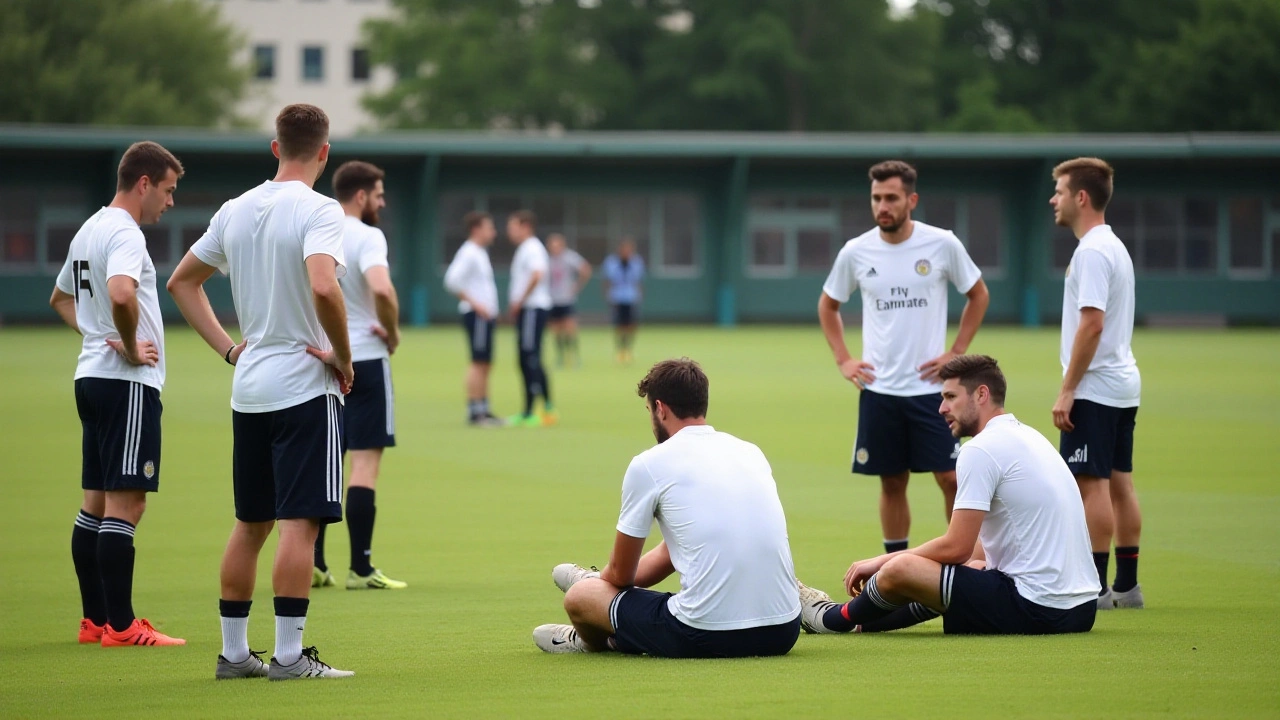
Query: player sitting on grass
{"points": [[1015, 494], [723, 530]]}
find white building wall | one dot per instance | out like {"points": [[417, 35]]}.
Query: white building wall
{"points": [[292, 25]]}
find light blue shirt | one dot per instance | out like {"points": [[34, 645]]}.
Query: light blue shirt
{"points": [[624, 281]]}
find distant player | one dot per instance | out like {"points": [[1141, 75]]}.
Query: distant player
{"points": [[281, 245], [1017, 497], [470, 277], [723, 530], [1097, 407], [530, 305], [624, 289], [902, 267], [106, 291], [569, 274], [373, 325]]}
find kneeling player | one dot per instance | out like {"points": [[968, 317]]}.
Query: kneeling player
{"points": [[723, 530], [1017, 496]]}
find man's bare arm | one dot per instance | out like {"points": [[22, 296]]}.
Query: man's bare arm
{"points": [[65, 306]]}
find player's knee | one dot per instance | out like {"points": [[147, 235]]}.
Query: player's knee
{"points": [[894, 485], [583, 598]]}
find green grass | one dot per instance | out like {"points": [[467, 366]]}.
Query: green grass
{"points": [[475, 520]]}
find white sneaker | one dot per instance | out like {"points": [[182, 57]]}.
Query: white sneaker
{"points": [[1106, 601], [559, 639], [306, 666], [566, 575], [814, 603], [250, 667], [1130, 599]]}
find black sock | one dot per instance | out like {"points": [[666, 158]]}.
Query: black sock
{"points": [[319, 551], [234, 608], [115, 563], [1100, 561], [291, 606], [1126, 568], [545, 387], [84, 554], [895, 545], [912, 614], [868, 607], [360, 514]]}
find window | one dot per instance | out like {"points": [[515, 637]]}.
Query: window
{"points": [[264, 62], [360, 65], [679, 234], [769, 249], [1246, 223], [158, 246], [313, 63], [1164, 234], [19, 213]]}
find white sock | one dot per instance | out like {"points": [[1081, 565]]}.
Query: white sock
{"points": [[235, 639], [289, 639]]}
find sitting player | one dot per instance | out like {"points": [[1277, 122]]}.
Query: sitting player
{"points": [[1015, 494], [723, 530]]}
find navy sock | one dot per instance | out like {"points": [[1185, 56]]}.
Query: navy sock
{"points": [[319, 550], [1126, 568], [1100, 561], [895, 545], [115, 563], [360, 514], [868, 607], [234, 608], [84, 554], [913, 614]]}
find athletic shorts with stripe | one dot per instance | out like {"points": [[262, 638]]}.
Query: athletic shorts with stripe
{"points": [[987, 602], [369, 413], [287, 464], [479, 337], [120, 443]]}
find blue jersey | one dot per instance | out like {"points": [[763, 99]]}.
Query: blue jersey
{"points": [[624, 279]]}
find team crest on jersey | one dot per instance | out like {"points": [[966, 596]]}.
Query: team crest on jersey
{"points": [[149, 470], [923, 267], [862, 456]]}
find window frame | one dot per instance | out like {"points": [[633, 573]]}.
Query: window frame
{"points": [[303, 69], [273, 51]]}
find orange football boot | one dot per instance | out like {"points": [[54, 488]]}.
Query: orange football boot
{"points": [[90, 633], [139, 633]]}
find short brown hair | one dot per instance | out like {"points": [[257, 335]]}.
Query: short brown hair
{"points": [[145, 159], [301, 130], [975, 370], [524, 217], [473, 220], [353, 176], [680, 385], [890, 169], [1092, 175]]}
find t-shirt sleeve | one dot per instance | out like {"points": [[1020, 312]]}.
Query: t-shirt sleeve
{"points": [[977, 476], [843, 279], [455, 277], [209, 249], [639, 500], [323, 235], [963, 272], [373, 252], [127, 254], [66, 282], [1092, 274]]}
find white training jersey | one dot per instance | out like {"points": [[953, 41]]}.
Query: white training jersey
{"points": [[531, 257], [110, 243], [365, 247], [1034, 530], [262, 240], [471, 273], [904, 301], [1101, 276], [717, 506]]}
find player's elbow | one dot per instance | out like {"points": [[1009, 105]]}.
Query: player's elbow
{"points": [[121, 294], [384, 293]]}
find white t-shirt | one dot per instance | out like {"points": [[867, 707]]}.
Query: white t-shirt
{"points": [[1101, 276], [472, 273], [262, 240], [365, 247], [717, 506], [904, 301], [531, 257], [1034, 530], [110, 243]]}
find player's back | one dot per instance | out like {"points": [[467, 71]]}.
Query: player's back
{"points": [[365, 247]]}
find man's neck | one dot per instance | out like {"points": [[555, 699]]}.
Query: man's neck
{"points": [[982, 421], [353, 210], [126, 202], [1084, 224], [290, 171], [902, 234]]}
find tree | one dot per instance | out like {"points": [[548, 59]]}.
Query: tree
{"points": [[117, 62]]}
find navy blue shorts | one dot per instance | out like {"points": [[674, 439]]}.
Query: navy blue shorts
{"points": [[901, 434], [1102, 440], [625, 314], [562, 312], [986, 602], [642, 625], [369, 417], [287, 464], [120, 434], [479, 337], [530, 327]]}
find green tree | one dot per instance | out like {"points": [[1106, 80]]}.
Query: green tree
{"points": [[117, 62]]}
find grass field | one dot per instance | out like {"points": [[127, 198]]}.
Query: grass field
{"points": [[475, 520]]}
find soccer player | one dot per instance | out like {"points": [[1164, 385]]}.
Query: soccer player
{"points": [[1098, 405], [529, 298], [623, 277], [106, 291], [569, 274], [1017, 497], [470, 277], [902, 267], [281, 245], [723, 531], [373, 326]]}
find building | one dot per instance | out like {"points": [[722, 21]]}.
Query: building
{"points": [[735, 227], [307, 51]]}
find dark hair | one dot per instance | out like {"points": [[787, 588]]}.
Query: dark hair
{"points": [[680, 385], [975, 370], [353, 176], [890, 169], [1092, 175], [524, 217], [145, 159], [301, 130], [474, 219]]}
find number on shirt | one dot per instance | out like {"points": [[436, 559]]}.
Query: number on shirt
{"points": [[80, 270]]}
